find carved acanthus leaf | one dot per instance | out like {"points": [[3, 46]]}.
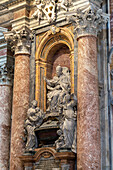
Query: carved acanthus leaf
{"points": [[20, 40], [88, 22]]}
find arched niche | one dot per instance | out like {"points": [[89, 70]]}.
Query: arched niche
{"points": [[58, 55], [49, 46]]}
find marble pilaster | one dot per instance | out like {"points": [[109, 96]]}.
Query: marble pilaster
{"points": [[87, 24], [5, 116], [21, 40]]}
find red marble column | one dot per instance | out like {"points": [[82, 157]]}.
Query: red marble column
{"points": [[88, 122], [21, 40], [20, 107], [5, 124], [87, 24]]}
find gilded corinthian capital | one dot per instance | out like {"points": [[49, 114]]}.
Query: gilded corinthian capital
{"points": [[89, 22], [20, 40]]}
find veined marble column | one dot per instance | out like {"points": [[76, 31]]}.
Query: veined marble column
{"points": [[88, 139], [5, 115], [87, 25], [21, 43]]}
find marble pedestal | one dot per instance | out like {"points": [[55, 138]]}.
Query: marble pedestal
{"points": [[48, 158]]}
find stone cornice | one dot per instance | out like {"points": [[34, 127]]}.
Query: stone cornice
{"points": [[20, 40], [7, 3], [6, 74], [88, 22], [14, 5], [87, 4], [14, 2]]}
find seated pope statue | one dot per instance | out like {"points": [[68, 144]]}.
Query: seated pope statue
{"points": [[57, 88]]}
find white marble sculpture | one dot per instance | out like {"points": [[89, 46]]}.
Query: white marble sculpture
{"points": [[62, 101], [67, 130], [58, 87], [49, 9], [34, 119]]}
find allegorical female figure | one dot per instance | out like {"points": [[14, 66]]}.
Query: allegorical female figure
{"points": [[34, 119], [69, 120], [67, 130]]}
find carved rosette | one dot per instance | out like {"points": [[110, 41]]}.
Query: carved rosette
{"points": [[6, 74], [20, 40], [88, 22]]}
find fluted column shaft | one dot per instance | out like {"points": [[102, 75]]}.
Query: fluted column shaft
{"points": [[21, 45]]}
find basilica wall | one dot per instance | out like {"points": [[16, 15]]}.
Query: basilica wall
{"points": [[39, 36]]}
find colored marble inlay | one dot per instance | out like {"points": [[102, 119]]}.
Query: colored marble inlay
{"points": [[20, 107], [5, 124], [88, 122]]}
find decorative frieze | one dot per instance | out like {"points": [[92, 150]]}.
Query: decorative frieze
{"points": [[49, 9], [88, 22], [6, 74], [20, 40]]}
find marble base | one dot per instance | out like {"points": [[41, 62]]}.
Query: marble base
{"points": [[48, 158]]}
